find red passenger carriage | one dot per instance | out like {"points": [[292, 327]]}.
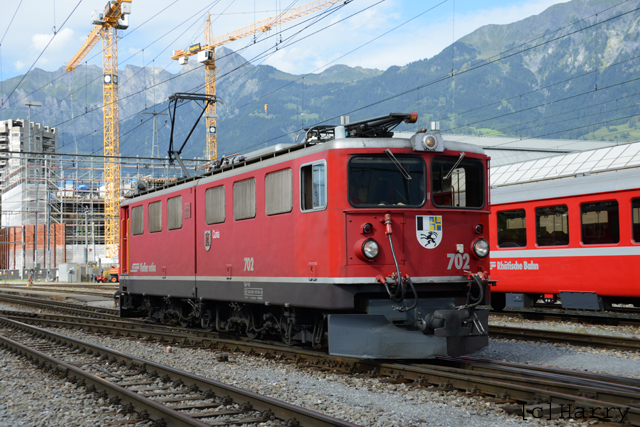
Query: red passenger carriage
{"points": [[567, 229], [330, 239]]}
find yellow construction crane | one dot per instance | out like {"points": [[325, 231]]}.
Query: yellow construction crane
{"points": [[114, 17], [206, 55]]}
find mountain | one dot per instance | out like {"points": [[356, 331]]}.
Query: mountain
{"points": [[568, 72]]}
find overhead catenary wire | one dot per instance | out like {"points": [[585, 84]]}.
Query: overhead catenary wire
{"points": [[1, 41], [42, 53], [420, 86], [548, 41], [131, 95], [497, 58]]}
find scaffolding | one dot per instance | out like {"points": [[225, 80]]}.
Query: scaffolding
{"points": [[58, 200]]}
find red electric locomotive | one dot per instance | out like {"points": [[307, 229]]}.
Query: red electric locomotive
{"points": [[375, 246], [568, 228]]}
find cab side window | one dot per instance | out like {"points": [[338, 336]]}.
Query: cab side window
{"points": [[313, 187]]}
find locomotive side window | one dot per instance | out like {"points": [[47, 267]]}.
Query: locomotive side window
{"points": [[278, 187], [244, 199], [155, 217], [383, 180], [457, 182], [214, 205], [600, 223], [137, 220], [635, 214], [313, 187], [174, 213], [552, 226], [512, 229]]}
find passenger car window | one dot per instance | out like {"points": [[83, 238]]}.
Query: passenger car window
{"points": [[512, 229], [552, 226], [600, 223], [214, 205], [381, 180], [278, 188], [137, 220], [155, 217], [457, 183], [635, 218], [313, 189], [244, 199], [174, 213]]}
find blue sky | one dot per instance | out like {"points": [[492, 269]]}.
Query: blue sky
{"points": [[357, 38]]}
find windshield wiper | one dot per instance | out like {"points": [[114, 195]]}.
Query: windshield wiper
{"points": [[397, 164], [455, 166]]}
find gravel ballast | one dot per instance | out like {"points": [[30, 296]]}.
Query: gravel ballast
{"points": [[360, 400]]}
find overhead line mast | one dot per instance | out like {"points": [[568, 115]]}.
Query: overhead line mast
{"points": [[206, 54], [114, 17]]}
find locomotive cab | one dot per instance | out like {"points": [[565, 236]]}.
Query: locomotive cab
{"points": [[410, 223]]}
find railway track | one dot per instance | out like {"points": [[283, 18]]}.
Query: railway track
{"points": [[64, 307], [71, 288], [524, 389], [166, 396], [579, 339], [557, 316], [83, 313], [627, 310]]}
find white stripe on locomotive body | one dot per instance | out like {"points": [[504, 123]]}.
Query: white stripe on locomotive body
{"points": [[330, 280], [601, 183], [600, 251], [297, 152]]}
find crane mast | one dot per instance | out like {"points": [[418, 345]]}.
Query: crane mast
{"points": [[114, 17], [207, 56]]}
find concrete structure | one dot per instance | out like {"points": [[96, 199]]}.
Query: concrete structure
{"points": [[15, 138]]}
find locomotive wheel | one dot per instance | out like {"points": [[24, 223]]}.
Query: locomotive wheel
{"points": [[286, 330], [252, 334], [207, 321]]}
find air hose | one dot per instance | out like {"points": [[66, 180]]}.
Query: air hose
{"points": [[400, 282]]}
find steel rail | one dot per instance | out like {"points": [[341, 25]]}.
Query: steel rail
{"points": [[592, 319], [593, 340], [279, 409], [526, 383], [107, 313], [511, 382], [71, 291]]}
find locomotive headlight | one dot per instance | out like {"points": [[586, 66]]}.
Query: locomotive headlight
{"points": [[370, 249], [428, 142], [481, 248]]}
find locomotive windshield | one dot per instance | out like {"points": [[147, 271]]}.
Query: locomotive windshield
{"points": [[457, 182], [390, 181]]}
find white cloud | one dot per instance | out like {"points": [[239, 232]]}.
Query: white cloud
{"points": [[421, 38], [59, 42]]}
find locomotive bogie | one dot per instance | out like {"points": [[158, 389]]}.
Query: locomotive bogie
{"points": [[282, 247]]}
